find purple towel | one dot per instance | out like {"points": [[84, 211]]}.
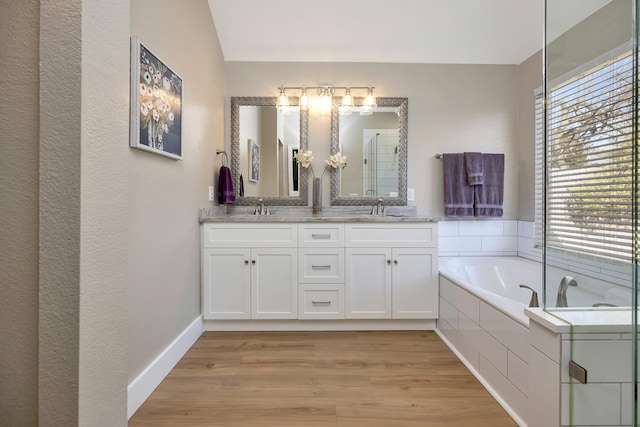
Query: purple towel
{"points": [[489, 196], [241, 189], [458, 195], [473, 165], [225, 187]]}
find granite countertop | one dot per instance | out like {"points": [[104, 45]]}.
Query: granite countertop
{"points": [[303, 214]]}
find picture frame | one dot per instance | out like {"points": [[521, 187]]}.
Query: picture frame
{"points": [[254, 161], [156, 104]]}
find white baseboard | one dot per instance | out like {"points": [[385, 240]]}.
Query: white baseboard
{"points": [[143, 385], [321, 325]]}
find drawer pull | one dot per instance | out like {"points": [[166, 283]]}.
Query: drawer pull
{"points": [[321, 267], [321, 302], [321, 236]]}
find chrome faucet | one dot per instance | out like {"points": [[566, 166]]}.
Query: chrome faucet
{"points": [[378, 209], [261, 209], [561, 300]]}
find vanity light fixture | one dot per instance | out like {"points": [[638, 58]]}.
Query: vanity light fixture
{"points": [[325, 94]]}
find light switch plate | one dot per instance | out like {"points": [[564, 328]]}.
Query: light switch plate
{"points": [[411, 194], [211, 193]]}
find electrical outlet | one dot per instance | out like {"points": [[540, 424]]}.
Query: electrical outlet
{"points": [[411, 194], [211, 193]]}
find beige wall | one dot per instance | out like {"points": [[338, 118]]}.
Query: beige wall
{"points": [[165, 194], [529, 79], [452, 108], [19, 117]]}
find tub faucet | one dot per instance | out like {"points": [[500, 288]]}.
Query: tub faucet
{"points": [[533, 302], [566, 281]]}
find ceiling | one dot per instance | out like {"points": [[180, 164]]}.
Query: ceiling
{"points": [[400, 31]]}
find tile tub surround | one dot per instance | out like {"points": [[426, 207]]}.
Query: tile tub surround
{"points": [[601, 343], [478, 238], [525, 367], [492, 345]]}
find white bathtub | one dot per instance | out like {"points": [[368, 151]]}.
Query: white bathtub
{"points": [[496, 280]]}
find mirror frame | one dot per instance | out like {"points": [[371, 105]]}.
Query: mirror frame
{"points": [[261, 101], [403, 127]]}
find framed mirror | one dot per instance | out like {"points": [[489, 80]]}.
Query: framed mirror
{"points": [[263, 142], [376, 150]]}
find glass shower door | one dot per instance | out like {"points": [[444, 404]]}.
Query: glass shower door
{"points": [[590, 213]]}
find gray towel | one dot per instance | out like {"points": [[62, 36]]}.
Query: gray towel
{"points": [[489, 196], [473, 165], [458, 195]]}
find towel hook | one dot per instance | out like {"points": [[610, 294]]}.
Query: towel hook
{"points": [[225, 159]]}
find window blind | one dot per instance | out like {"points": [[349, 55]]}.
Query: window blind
{"points": [[589, 161]]}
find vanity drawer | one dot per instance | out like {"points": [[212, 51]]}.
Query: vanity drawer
{"points": [[263, 235], [321, 302], [407, 235], [321, 265], [321, 235]]}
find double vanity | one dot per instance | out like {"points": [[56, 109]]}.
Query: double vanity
{"points": [[344, 269], [308, 272]]}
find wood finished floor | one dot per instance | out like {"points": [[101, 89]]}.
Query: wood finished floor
{"points": [[313, 379]]}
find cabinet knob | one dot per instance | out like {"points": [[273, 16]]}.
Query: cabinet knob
{"points": [[253, 261], [388, 261], [246, 261], [395, 261]]}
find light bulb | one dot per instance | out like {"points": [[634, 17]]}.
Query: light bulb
{"points": [[304, 100]]}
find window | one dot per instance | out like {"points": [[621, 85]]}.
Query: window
{"points": [[589, 161]]}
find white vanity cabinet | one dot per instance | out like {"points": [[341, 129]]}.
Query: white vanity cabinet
{"points": [[321, 271], [327, 271], [391, 271], [249, 271]]}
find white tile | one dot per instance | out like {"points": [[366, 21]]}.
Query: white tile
{"points": [[510, 228], [518, 373], [544, 391], [448, 313], [544, 340], [593, 404], [448, 253], [605, 361], [526, 229], [510, 333], [449, 291], [481, 228], [457, 244], [468, 305], [466, 350], [499, 243], [448, 228], [487, 346], [507, 391], [626, 405]]}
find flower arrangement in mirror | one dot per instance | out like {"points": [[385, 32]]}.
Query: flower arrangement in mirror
{"points": [[336, 161]]}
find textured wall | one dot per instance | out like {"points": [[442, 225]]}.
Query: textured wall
{"points": [[19, 213], [104, 260], [59, 228], [452, 108], [165, 194]]}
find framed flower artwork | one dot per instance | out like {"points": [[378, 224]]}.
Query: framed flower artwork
{"points": [[156, 104], [254, 161]]}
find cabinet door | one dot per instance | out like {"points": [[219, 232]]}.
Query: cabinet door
{"points": [[414, 283], [274, 287], [368, 283], [226, 283]]}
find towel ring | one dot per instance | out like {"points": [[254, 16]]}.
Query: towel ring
{"points": [[225, 159]]}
